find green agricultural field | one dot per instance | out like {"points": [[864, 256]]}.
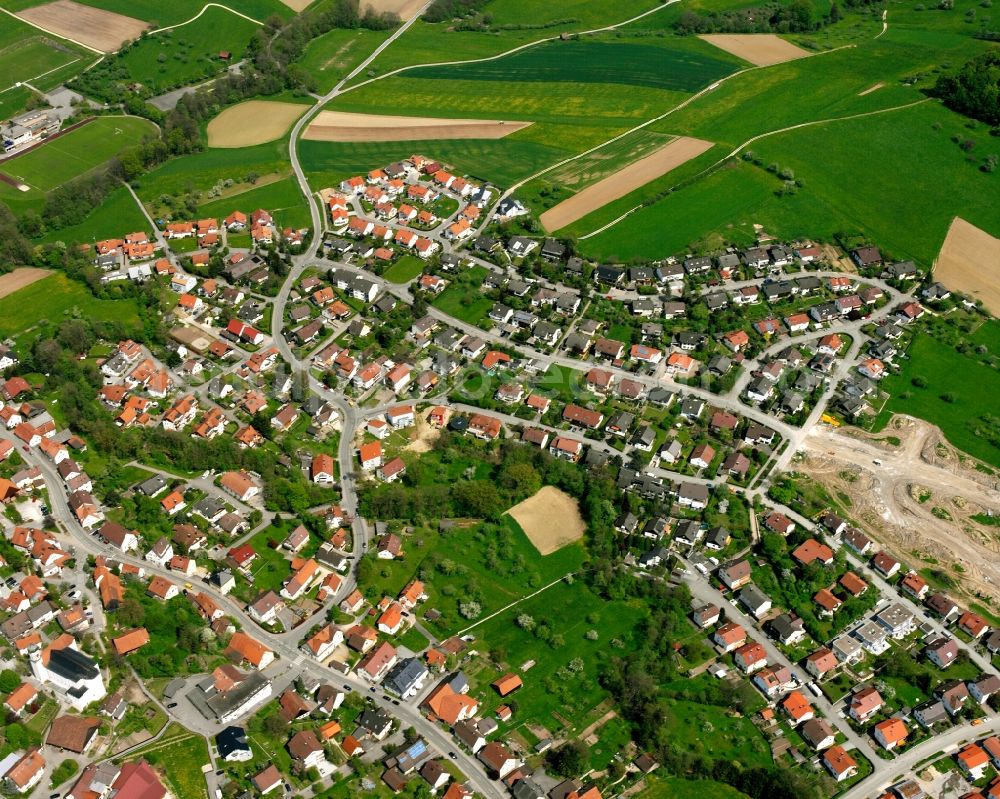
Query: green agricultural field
{"points": [[281, 198], [55, 297], [684, 66], [118, 214], [561, 616], [405, 269], [70, 156], [189, 53], [332, 56], [957, 394]]}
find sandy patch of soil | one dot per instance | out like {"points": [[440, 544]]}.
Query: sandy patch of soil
{"points": [[550, 518], [19, 278], [404, 9], [919, 502], [424, 436], [102, 30], [760, 49], [969, 262], [297, 5], [344, 127], [253, 122], [623, 181], [871, 89]]}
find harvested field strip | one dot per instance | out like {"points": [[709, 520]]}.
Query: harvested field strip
{"points": [[99, 30], [624, 181], [970, 263], [760, 49], [404, 9], [349, 127], [19, 278], [252, 122]]}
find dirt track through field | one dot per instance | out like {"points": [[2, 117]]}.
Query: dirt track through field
{"points": [[969, 262], [19, 278], [253, 122], [873, 88], [346, 127], [623, 181], [919, 503], [760, 49], [550, 518], [404, 9], [93, 27]]}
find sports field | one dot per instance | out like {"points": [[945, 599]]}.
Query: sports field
{"points": [[346, 127], [252, 122], [550, 518], [74, 153], [101, 30], [970, 262], [189, 53], [28, 54], [625, 180]]}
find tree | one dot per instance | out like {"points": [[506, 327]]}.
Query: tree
{"points": [[523, 478], [568, 760], [130, 613], [525, 622], [9, 680], [275, 726], [470, 609]]}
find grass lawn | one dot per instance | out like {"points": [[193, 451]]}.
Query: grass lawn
{"points": [[190, 53], [118, 214], [271, 568], [464, 301], [959, 392], [55, 297], [413, 639], [179, 757], [551, 697], [41, 720], [69, 156], [405, 269]]}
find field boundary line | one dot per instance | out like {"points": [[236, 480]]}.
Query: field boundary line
{"points": [[203, 10], [50, 33], [750, 141], [525, 46], [512, 604]]}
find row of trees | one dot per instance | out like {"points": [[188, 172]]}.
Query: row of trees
{"points": [[795, 17]]}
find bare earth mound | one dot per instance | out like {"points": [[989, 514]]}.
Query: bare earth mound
{"points": [[101, 30], [404, 9], [550, 518], [253, 122], [622, 182], [920, 503], [19, 278], [343, 126], [969, 262], [760, 49]]}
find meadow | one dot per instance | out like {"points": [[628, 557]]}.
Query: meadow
{"points": [[330, 57], [178, 756], [117, 215], [57, 297], [405, 269], [953, 390], [553, 695], [189, 53], [463, 300], [77, 152]]}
